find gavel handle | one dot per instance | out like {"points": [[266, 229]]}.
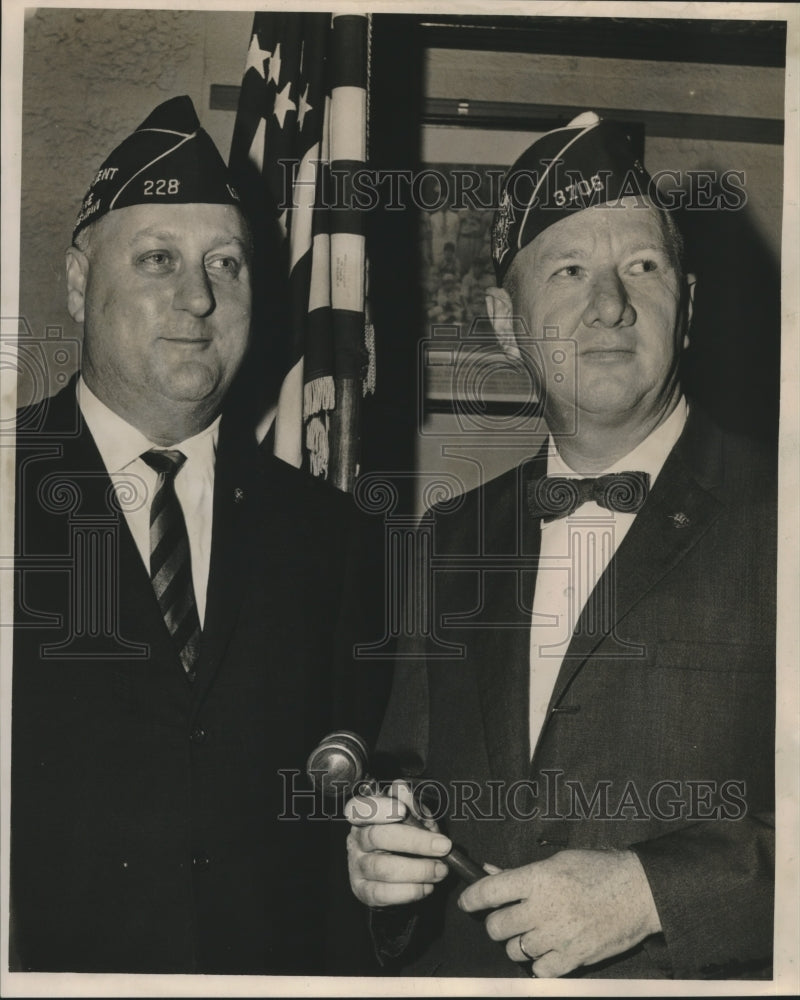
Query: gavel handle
{"points": [[457, 861]]}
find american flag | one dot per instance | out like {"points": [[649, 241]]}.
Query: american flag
{"points": [[301, 124]]}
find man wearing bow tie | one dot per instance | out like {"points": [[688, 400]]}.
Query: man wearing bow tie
{"points": [[601, 735], [182, 606]]}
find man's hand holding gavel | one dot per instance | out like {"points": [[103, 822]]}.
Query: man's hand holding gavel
{"points": [[574, 908], [379, 845]]}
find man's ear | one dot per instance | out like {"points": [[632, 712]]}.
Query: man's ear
{"points": [[77, 276], [499, 310], [691, 282]]}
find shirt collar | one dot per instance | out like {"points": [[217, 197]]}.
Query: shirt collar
{"points": [[648, 456], [120, 444]]}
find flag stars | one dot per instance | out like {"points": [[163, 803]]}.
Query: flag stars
{"points": [[275, 65], [256, 56], [305, 107], [283, 104]]}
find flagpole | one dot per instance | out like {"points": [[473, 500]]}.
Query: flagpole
{"points": [[344, 435], [350, 60]]}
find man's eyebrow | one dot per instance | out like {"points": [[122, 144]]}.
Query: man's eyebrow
{"points": [[168, 235], [559, 254], [647, 246], [226, 240], [151, 232]]}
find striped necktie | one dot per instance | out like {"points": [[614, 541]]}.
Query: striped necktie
{"points": [[170, 559]]}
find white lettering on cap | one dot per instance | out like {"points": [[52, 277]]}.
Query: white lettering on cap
{"points": [[106, 174]]}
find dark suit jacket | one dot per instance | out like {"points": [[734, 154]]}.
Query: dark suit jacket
{"points": [[659, 734], [152, 829]]}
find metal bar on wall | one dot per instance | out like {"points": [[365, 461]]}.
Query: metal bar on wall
{"points": [[543, 117]]}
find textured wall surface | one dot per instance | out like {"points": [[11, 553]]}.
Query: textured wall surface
{"points": [[90, 77]]}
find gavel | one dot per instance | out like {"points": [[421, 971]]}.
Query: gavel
{"points": [[338, 766]]}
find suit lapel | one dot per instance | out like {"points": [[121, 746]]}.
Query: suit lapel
{"points": [[236, 498], [502, 651], [140, 632], [678, 512]]}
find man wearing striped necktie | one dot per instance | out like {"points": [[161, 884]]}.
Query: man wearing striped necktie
{"points": [[185, 608]]}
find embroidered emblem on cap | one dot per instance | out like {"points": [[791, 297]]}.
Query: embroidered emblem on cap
{"points": [[503, 222]]}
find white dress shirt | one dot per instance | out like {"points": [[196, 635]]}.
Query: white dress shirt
{"points": [[575, 552], [121, 446]]}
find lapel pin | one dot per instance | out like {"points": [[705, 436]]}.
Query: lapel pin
{"points": [[238, 494], [680, 520]]}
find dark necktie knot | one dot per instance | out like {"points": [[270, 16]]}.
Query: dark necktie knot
{"points": [[166, 463], [551, 497]]}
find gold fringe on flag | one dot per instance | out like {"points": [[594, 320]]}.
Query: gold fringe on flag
{"points": [[317, 445], [318, 395], [368, 382]]}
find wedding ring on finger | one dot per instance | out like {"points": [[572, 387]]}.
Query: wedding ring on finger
{"points": [[524, 951]]}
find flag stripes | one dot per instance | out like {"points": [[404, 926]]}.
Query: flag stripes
{"points": [[299, 138]]}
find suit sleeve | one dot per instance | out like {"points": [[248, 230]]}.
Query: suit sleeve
{"points": [[713, 888], [401, 752]]}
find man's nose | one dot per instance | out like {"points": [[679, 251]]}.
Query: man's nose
{"points": [[609, 304], [193, 292]]}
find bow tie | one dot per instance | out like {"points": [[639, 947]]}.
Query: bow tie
{"points": [[558, 496]]}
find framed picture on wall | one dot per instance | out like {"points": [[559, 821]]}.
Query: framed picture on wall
{"points": [[459, 190]]}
